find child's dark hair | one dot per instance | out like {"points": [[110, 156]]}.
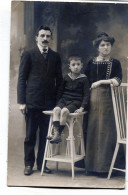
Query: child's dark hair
{"points": [[74, 57], [42, 27]]}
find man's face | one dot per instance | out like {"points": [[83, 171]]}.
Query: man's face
{"points": [[43, 38], [75, 66]]}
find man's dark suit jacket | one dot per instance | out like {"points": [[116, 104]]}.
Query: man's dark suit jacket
{"points": [[39, 79]]}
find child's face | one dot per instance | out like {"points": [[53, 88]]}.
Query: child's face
{"points": [[75, 66]]}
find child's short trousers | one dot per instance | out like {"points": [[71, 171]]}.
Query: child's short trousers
{"points": [[71, 105]]}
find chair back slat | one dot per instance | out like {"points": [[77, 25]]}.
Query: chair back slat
{"points": [[122, 130], [125, 114], [119, 95], [117, 107]]}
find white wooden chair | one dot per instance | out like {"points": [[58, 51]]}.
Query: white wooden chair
{"points": [[119, 99], [52, 152]]}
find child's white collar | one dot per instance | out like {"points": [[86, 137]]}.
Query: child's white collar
{"points": [[80, 76]]}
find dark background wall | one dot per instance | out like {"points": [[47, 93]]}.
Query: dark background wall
{"points": [[77, 24], [74, 26]]}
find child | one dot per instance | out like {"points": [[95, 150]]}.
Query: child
{"points": [[74, 96]]}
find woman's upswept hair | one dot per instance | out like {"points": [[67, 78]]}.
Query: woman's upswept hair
{"points": [[103, 37]]}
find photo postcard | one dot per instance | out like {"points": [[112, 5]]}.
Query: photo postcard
{"points": [[67, 94]]}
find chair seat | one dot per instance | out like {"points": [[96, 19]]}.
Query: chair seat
{"points": [[50, 112]]}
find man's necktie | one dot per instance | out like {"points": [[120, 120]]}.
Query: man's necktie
{"points": [[44, 50], [45, 53]]}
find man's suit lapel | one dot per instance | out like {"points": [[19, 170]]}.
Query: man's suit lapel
{"points": [[45, 67], [50, 61], [39, 55], [40, 61]]}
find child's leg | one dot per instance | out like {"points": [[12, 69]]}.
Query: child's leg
{"points": [[63, 117], [56, 124], [56, 114], [56, 121], [58, 130]]}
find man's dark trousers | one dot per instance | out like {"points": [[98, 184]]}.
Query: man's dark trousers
{"points": [[35, 119]]}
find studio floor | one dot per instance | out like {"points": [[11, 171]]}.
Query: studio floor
{"points": [[61, 178]]}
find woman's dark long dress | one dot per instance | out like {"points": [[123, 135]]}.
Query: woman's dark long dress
{"points": [[101, 131]]}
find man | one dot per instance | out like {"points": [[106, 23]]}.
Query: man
{"points": [[39, 78]]}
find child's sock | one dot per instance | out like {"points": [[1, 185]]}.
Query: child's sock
{"points": [[61, 128], [56, 123]]}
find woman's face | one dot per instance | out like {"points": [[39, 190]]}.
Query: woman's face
{"points": [[104, 48]]}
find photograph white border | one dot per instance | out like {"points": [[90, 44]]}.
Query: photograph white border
{"points": [[5, 13]]}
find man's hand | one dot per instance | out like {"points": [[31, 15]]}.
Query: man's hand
{"points": [[79, 110], [22, 108]]}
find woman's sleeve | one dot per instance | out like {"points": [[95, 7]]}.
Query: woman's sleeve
{"points": [[117, 71]]}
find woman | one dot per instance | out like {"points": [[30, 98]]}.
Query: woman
{"points": [[101, 132]]}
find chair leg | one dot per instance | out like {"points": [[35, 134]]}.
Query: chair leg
{"points": [[72, 146], [113, 160], [42, 169]]}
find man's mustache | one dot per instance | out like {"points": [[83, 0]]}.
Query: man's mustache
{"points": [[44, 41]]}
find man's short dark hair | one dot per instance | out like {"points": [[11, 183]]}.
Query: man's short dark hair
{"points": [[42, 27]]}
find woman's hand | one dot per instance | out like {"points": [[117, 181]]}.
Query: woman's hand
{"points": [[104, 82], [96, 84], [79, 110]]}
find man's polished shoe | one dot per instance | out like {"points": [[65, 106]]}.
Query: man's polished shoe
{"points": [[28, 170], [46, 169]]}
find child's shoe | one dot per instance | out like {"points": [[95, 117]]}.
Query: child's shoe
{"points": [[49, 137], [56, 137]]}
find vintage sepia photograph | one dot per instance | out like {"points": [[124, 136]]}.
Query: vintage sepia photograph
{"points": [[68, 94]]}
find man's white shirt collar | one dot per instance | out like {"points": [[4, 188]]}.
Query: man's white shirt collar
{"points": [[41, 49]]}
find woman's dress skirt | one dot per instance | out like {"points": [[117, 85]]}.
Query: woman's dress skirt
{"points": [[101, 132]]}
